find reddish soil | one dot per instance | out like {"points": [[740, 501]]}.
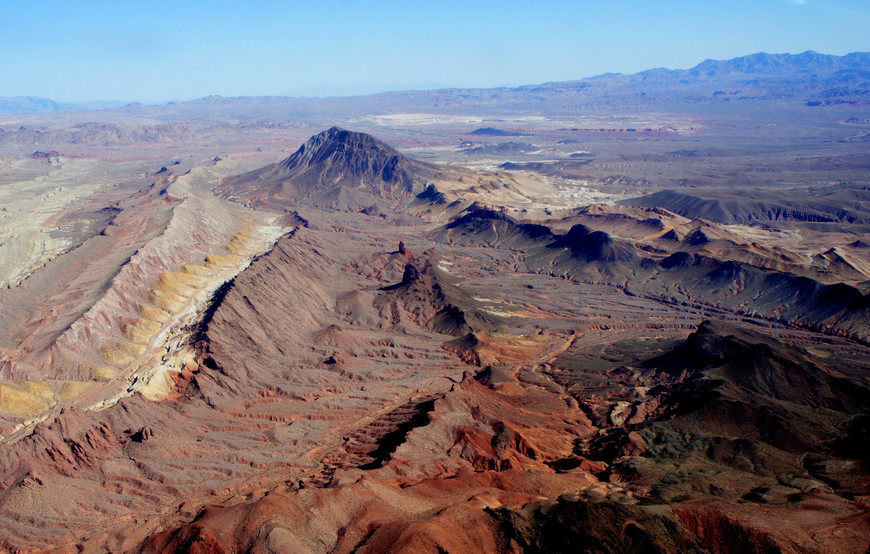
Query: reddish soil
{"points": [[377, 384]]}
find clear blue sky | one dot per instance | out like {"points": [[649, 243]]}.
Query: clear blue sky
{"points": [[154, 50]]}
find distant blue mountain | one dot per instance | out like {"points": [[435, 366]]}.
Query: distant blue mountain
{"points": [[38, 104], [763, 63], [31, 104], [807, 78]]}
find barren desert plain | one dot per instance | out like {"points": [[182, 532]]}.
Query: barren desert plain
{"points": [[623, 314]]}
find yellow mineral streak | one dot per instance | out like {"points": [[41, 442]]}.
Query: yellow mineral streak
{"points": [[142, 331], [22, 398], [103, 374], [218, 261], [154, 313], [172, 295], [169, 306], [73, 389], [241, 243], [26, 398], [116, 356]]}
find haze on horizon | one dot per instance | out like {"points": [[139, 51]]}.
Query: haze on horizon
{"points": [[161, 51]]}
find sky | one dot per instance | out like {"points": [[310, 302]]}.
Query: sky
{"points": [[156, 51]]}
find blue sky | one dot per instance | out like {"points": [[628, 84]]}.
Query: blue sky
{"points": [[154, 51]]}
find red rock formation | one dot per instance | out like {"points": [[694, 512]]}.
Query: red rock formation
{"points": [[349, 398]]}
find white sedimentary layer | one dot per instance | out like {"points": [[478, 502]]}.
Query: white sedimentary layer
{"points": [[28, 239]]}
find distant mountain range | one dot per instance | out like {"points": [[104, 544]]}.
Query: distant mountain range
{"points": [[38, 104], [807, 64], [807, 78], [31, 104]]}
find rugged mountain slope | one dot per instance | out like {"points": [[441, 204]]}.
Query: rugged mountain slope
{"points": [[735, 398], [490, 385], [121, 299], [478, 226], [849, 205], [291, 350], [335, 169], [697, 449], [748, 281]]}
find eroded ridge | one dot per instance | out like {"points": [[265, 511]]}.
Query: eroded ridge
{"points": [[423, 372], [133, 332]]}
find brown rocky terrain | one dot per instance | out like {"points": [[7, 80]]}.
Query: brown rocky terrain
{"points": [[352, 171], [332, 168], [357, 349]]}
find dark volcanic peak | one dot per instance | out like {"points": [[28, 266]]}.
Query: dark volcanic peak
{"points": [[780, 401], [576, 233], [709, 346], [481, 225], [670, 235], [493, 132], [337, 169], [340, 157], [476, 214], [346, 150], [761, 366], [697, 237], [677, 259], [433, 195], [593, 245]]}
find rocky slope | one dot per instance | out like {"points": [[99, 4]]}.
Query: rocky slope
{"points": [[120, 297], [842, 205], [618, 380], [335, 169]]}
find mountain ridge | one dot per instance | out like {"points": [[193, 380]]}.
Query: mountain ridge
{"points": [[23, 104], [852, 68]]}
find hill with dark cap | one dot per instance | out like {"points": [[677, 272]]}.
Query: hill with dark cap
{"points": [[336, 169]]}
